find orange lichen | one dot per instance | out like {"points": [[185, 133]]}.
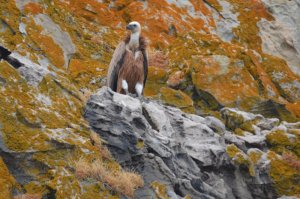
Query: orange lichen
{"points": [[294, 108], [33, 8], [250, 12], [176, 79], [47, 44], [263, 76], [83, 72], [211, 77]]}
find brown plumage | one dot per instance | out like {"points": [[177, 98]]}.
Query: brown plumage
{"points": [[132, 69], [129, 63]]}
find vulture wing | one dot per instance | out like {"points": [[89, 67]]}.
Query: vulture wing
{"points": [[145, 66], [115, 65], [143, 46]]}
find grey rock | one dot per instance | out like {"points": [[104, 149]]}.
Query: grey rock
{"points": [[280, 37], [223, 61], [59, 36], [225, 20], [3, 26], [32, 72], [21, 3], [185, 152]]}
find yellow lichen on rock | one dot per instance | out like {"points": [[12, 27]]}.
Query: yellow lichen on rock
{"points": [[285, 176], [86, 73], [255, 156], [33, 8], [7, 182], [281, 141], [177, 98], [155, 81], [160, 190], [237, 155], [52, 50]]}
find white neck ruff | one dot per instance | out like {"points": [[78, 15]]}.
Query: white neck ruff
{"points": [[134, 40]]}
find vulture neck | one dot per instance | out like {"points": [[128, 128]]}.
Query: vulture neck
{"points": [[134, 41]]}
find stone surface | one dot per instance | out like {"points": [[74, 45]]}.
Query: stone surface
{"points": [[58, 35], [226, 20], [280, 36], [32, 72], [185, 152]]}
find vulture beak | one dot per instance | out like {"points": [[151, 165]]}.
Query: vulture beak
{"points": [[129, 27]]}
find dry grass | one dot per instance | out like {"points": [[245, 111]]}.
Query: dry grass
{"points": [[86, 94], [97, 142], [125, 182], [291, 160], [85, 169], [28, 196], [120, 181]]}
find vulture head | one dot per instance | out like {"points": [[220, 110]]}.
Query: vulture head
{"points": [[134, 27]]}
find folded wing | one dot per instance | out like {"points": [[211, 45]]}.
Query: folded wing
{"points": [[115, 65]]}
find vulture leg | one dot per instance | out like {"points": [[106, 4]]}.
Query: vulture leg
{"points": [[125, 86], [139, 89], [122, 86]]}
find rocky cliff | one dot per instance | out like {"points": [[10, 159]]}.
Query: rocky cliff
{"points": [[234, 65], [183, 155]]}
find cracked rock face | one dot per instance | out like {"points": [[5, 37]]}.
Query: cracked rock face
{"points": [[280, 37], [185, 153]]}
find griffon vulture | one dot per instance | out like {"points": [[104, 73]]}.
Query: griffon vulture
{"points": [[128, 68]]}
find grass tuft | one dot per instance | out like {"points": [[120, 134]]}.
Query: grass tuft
{"points": [[28, 196], [121, 181]]}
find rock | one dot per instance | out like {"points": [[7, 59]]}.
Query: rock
{"points": [[183, 154], [32, 72], [225, 79], [226, 20], [177, 98], [21, 3], [158, 59], [175, 79], [273, 109], [235, 118], [156, 79], [57, 34], [280, 36]]}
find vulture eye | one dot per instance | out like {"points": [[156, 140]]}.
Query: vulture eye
{"points": [[134, 25]]}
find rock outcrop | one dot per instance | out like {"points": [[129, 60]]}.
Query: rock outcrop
{"points": [[279, 37], [239, 54], [184, 155]]}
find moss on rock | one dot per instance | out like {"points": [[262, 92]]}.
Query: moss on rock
{"points": [[7, 181], [285, 176], [177, 98]]}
